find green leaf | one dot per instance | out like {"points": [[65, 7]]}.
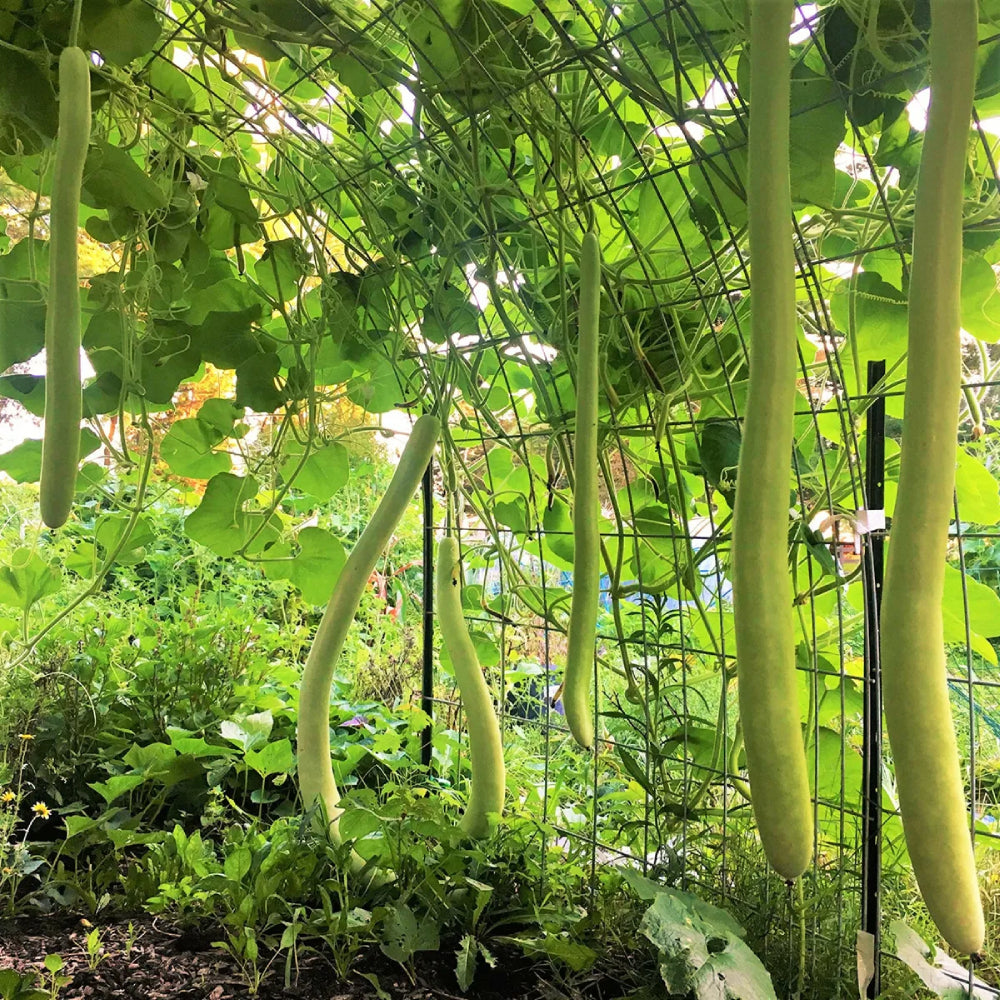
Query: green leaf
{"points": [[112, 179], [281, 268], [220, 522], [187, 448], [574, 954], [978, 492], [879, 326], [28, 111], [117, 786], [22, 301], [558, 537], [403, 935], [28, 390], [377, 390], [272, 758], [701, 950], [256, 386], [314, 570], [237, 863], [815, 133], [323, 473], [719, 453], [937, 970], [219, 417], [121, 32], [980, 315], [23, 463], [110, 529], [465, 966], [248, 731], [26, 578], [983, 613], [449, 312]]}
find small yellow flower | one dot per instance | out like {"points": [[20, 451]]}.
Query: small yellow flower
{"points": [[8, 870], [41, 809], [7, 796], [25, 736]]}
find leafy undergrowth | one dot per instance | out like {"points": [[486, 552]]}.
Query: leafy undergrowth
{"points": [[147, 959]]}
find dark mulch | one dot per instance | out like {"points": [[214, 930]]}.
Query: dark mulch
{"points": [[157, 961]]}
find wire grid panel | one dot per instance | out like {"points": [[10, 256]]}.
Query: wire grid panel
{"points": [[437, 165]]}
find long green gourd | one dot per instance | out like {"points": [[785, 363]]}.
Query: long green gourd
{"points": [[582, 634], [914, 672], [485, 745], [63, 390], [762, 586], [315, 771]]}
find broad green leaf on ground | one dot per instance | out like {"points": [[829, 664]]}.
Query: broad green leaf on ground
{"points": [[465, 965], [247, 731], [403, 935], [272, 758], [323, 473], [701, 950], [977, 491], [116, 786], [221, 522], [937, 970], [983, 613]]}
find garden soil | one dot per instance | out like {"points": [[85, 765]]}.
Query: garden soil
{"points": [[157, 961]]}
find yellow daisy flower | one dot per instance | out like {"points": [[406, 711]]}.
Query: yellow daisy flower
{"points": [[7, 796], [25, 736], [41, 809]]}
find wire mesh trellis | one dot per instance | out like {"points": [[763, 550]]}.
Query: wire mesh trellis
{"points": [[437, 164]]}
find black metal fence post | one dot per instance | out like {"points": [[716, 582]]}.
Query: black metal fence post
{"points": [[873, 551], [427, 681]]}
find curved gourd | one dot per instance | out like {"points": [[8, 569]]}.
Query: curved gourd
{"points": [[582, 635], [762, 586], [485, 745], [914, 672], [316, 779], [63, 391]]}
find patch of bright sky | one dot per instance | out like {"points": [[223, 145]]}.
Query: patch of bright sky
{"points": [[802, 25]]}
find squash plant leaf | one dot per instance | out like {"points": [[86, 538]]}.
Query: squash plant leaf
{"points": [[322, 474], [221, 522], [313, 569], [701, 950], [983, 613], [188, 449], [26, 579]]}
